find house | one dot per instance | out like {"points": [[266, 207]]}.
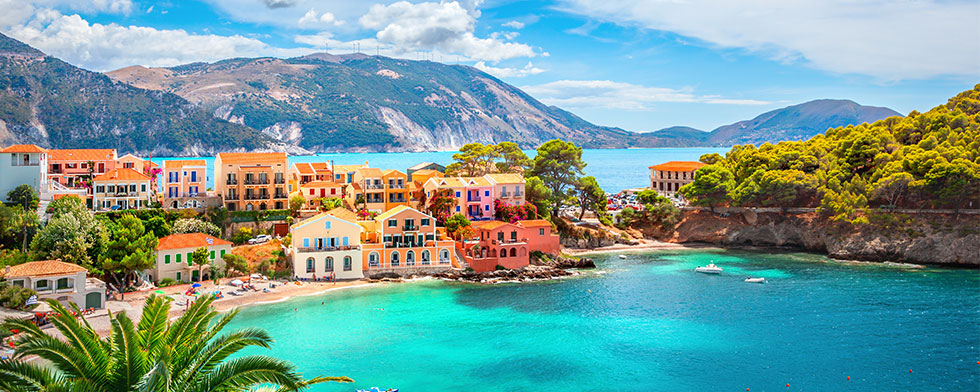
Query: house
{"points": [[508, 188], [396, 188], [474, 195], [416, 187], [424, 166], [58, 280], [344, 174], [403, 240], [251, 180], [667, 178], [367, 190], [23, 164], [174, 257], [303, 172], [74, 168], [185, 184], [327, 243], [315, 191], [120, 189], [508, 245]]}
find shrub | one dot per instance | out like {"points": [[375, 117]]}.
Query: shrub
{"points": [[499, 267], [167, 282], [14, 297], [242, 236], [182, 226]]}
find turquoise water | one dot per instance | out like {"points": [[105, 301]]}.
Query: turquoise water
{"points": [[648, 323], [615, 170]]}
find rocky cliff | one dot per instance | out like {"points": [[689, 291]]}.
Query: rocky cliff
{"points": [[913, 238]]}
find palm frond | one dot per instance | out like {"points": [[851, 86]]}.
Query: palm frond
{"points": [[220, 349], [17, 375], [245, 372]]}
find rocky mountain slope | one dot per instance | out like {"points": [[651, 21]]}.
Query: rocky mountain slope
{"points": [[323, 102], [48, 102], [797, 122]]}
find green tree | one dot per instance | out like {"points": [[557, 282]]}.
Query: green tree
{"points": [[296, 203], [473, 159], [892, 188], [24, 195], [200, 258], [158, 226], [515, 160], [537, 193], [590, 197], [954, 183], [558, 164], [711, 159], [17, 225], [188, 354], [131, 249], [236, 263], [455, 223], [711, 186], [329, 203], [72, 234]]}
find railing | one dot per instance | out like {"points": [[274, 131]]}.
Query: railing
{"points": [[504, 194], [410, 227], [257, 182], [280, 180], [397, 200], [231, 182], [471, 198], [231, 197], [396, 186], [509, 241], [326, 248], [518, 194], [374, 186], [257, 197], [280, 195]]}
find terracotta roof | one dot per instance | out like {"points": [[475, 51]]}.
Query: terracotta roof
{"points": [[475, 181], [348, 168], [105, 154], [23, 148], [312, 167], [369, 172], [252, 158], [355, 186], [448, 182], [122, 175], [189, 240], [392, 212], [179, 163], [535, 223], [41, 268], [490, 225], [678, 166], [506, 178], [390, 172], [344, 214], [321, 184]]}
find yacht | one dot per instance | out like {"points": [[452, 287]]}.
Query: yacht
{"points": [[709, 269], [755, 280]]}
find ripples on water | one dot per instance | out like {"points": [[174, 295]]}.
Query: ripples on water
{"points": [[649, 323]]}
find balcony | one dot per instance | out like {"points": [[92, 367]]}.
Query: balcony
{"points": [[280, 181], [231, 196], [508, 241], [397, 200], [327, 248], [231, 181], [396, 186], [257, 197], [257, 182], [473, 198], [374, 186], [410, 228], [280, 195]]}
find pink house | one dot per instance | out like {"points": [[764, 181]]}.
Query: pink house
{"points": [[73, 168], [508, 245], [184, 178], [474, 195]]}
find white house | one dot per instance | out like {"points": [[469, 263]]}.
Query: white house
{"points": [[23, 164], [174, 257], [55, 279], [327, 243]]}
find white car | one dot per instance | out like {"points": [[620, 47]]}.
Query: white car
{"points": [[260, 239]]}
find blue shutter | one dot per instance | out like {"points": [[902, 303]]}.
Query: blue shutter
{"points": [[327, 225], [345, 241], [306, 242]]}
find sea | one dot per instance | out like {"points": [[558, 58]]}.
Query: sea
{"points": [[614, 169], [646, 323]]}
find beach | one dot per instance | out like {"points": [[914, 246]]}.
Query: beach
{"points": [[644, 245]]}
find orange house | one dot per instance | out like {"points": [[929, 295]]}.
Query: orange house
{"points": [[509, 245], [72, 167], [251, 180], [402, 239]]}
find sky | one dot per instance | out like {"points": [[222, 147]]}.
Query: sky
{"points": [[640, 65]]}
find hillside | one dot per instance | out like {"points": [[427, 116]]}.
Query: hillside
{"points": [[323, 102], [48, 102], [797, 122]]}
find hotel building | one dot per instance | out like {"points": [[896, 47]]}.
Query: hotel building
{"points": [[251, 181]]}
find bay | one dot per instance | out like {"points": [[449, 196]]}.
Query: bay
{"points": [[614, 169], [647, 323]]}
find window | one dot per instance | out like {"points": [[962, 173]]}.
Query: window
{"points": [[425, 257], [457, 194], [486, 207], [142, 187], [394, 259], [166, 259], [328, 264], [345, 241], [348, 263], [500, 236], [410, 257], [64, 283], [513, 252], [326, 225], [373, 260], [540, 231], [132, 188], [457, 208], [100, 189], [393, 223], [41, 285], [486, 193], [309, 265], [306, 242], [222, 253], [425, 222], [178, 274], [19, 283], [190, 260], [178, 259], [513, 235], [212, 255], [444, 256]]}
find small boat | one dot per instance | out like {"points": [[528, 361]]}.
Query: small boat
{"points": [[622, 257], [376, 389], [755, 280], [709, 269]]}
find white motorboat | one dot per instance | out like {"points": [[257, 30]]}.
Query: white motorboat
{"points": [[709, 269], [622, 257], [755, 280]]}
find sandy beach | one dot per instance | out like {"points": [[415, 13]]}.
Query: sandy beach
{"points": [[644, 245]]}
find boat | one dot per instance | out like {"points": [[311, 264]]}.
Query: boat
{"points": [[376, 389], [709, 269], [622, 257], [755, 280]]}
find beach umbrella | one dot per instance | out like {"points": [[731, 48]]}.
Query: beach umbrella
{"points": [[196, 285], [42, 307], [236, 282], [159, 292]]}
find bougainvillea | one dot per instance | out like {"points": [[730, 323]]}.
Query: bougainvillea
{"points": [[512, 214]]}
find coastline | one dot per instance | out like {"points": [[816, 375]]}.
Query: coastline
{"points": [[643, 246]]}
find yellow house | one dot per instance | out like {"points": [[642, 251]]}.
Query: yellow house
{"points": [[327, 243], [366, 190], [121, 189], [251, 180], [396, 188]]}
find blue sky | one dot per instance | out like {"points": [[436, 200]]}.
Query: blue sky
{"points": [[640, 65]]}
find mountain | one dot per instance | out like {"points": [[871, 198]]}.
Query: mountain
{"points": [[797, 122], [324, 102], [48, 102]]}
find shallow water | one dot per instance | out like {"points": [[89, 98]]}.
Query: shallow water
{"points": [[647, 323]]}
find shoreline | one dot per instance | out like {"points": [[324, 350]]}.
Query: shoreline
{"points": [[646, 245]]}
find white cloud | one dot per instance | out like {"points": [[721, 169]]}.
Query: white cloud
{"points": [[887, 39], [312, 18], [15, 12], [514, 24], [504, 72], [446, 26], [279, 3], [105, 47], [618, 95]]}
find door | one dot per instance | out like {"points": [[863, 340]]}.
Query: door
{"points": [[93, 300]]}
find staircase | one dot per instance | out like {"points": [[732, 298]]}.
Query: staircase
{"points": [[461, 259]]}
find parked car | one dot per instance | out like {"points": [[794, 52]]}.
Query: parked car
{"points": [[260, 239]]}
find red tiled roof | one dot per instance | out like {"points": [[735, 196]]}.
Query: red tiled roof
{"points": [[535, 223], [252, 158], [103, 154], [312, 167], [678, 166], [179, 163], [189, 240], [41, 268], [123, 175], [23, 148], [490, 225]]}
